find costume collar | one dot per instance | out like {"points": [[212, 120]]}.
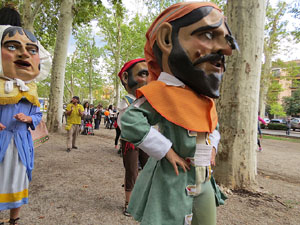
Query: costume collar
{"points": [[170, 80], [181, 106], [16, 92], [131, 96]]}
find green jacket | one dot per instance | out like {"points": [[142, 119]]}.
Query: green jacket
{"points": [[159, 196]]}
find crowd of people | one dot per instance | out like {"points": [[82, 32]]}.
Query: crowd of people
{"points": [[168, 126]]}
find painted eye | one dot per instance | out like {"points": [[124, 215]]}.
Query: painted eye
{"points": [[144, 74], [11, 47], [32, 51], [209, 35]]}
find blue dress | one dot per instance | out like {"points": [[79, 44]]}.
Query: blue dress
{"points": [[16, 152]]}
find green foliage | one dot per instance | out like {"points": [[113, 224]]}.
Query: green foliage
{"points": [[292, 104], [44, 88], [273, 92], [295, 10], [277, 109], [275, 27], [82, 69], [45, 23], [46, 20], [276, 126], [222, 4], [123, 37], [155, 7], [85, 11]]}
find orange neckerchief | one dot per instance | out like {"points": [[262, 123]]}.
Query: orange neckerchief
{"points": [[181, 106]]}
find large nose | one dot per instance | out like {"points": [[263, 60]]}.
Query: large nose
{"points": [[224, 47], [23, 53]]}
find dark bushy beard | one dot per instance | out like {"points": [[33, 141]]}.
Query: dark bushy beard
{"points": [[133, 85], [131, 82], [192, 76]]}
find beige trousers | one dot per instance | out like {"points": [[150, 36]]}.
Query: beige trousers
{"points": [[72, 135]]}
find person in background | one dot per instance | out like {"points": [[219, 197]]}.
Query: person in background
{"points": [[86, 107], [109, 117], [118, 132], [259, 133], [288, 126], [92, 109], [74, 111], [97, 116], [115, 109], [86, 115]]}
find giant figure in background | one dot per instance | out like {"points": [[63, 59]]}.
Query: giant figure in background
{"points": [[185, 50], [133, 75], [19, 110]]}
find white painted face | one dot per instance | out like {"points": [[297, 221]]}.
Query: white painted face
{"points": [[20, 57]]}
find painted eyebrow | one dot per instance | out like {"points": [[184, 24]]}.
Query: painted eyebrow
{"points": [[208, 27], [142, 71], [15, 41], [34, 45], [11, 41]]}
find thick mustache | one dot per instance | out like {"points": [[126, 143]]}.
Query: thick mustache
{"points": [[211, 58]]}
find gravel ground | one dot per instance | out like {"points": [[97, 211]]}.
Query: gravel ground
{"points": [[84, 187]]}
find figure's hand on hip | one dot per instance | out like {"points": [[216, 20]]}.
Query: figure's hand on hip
{"points": [[213, 157], [23, 118], [2, 127], [175, 160]]}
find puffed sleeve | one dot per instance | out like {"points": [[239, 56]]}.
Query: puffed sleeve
{"points": [[36, 116], [137, 127]]}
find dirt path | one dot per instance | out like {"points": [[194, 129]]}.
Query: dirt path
{"points": [[84, 186]]}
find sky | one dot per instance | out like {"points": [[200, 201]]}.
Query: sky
{"points": [[289, 50]]}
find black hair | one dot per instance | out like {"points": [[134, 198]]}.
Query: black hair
{"points": [[85, 104], [11, 31], [188, 19], [10, 16]]}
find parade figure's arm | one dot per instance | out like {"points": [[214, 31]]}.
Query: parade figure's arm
{"points": [[36, 117], [214, 139], [2, 127], [137, 122]]}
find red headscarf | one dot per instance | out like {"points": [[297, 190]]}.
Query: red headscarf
{"points": [[172, 13], [128, 65]]}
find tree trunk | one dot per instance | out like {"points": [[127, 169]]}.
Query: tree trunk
{"points": [[117, 67], [265, 83], [238, 106], [54, 117], [90, 80], [29, 14]]}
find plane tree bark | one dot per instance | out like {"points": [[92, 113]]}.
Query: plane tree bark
{"points": [[237, 108]]}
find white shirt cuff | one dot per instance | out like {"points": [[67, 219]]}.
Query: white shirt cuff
{"points": [[155, 144], [214, 138]]}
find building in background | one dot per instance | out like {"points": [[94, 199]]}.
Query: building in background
{"points": [[289, 83]]}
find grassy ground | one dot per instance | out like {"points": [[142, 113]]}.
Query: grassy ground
{"points": [[281, 138]]}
